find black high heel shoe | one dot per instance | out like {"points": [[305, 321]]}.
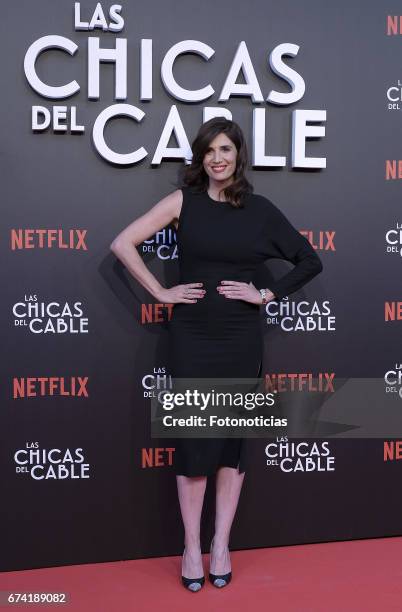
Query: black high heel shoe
{"points": [[193, 584], [219, 580]]}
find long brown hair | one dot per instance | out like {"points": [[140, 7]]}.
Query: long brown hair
{"points": [[194, 174]]}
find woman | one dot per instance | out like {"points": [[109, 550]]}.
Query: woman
{"points": [[223, 232]]}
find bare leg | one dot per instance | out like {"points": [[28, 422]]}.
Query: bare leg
{"points": [[191, 497], [228, 488]]}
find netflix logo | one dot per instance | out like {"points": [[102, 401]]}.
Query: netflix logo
{"points": [[285, 381], [156, 313], [320, 241], [393, 450], [394, 25], [156, 457], [73, 386], [393, 311], [48, 239], [393, 169]]}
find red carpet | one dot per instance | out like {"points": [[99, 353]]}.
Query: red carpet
{"points": [[355, 576]]}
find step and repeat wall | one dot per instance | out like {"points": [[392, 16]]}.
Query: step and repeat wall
{"points": [[100, 105]]}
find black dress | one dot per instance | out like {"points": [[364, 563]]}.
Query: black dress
{"points": [[217, 336]]}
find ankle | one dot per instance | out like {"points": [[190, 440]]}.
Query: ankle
{"points": [[192, 538], [192, 547], [220, 543]]}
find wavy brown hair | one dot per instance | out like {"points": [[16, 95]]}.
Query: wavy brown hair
{"points": [[194, 174]]}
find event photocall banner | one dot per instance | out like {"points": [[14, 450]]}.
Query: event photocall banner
{"points": [[100, 105]]}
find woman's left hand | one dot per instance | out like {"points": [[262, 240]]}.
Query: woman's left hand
{"points": [[237, 290]]}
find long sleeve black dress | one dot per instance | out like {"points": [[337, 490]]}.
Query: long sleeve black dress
{"points": [[217, 336]]}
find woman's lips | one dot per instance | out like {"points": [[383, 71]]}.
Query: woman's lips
{"points": [[218, 168]]}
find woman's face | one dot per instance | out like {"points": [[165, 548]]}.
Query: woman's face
{"points": [[220, 158]]}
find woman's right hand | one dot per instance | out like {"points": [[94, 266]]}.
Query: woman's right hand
{"points": [[187, 293]]}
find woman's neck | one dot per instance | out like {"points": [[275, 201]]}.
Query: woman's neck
{"points": [[216, 186]]}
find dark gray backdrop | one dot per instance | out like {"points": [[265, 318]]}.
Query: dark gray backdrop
{"points": [[124, 510]]}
